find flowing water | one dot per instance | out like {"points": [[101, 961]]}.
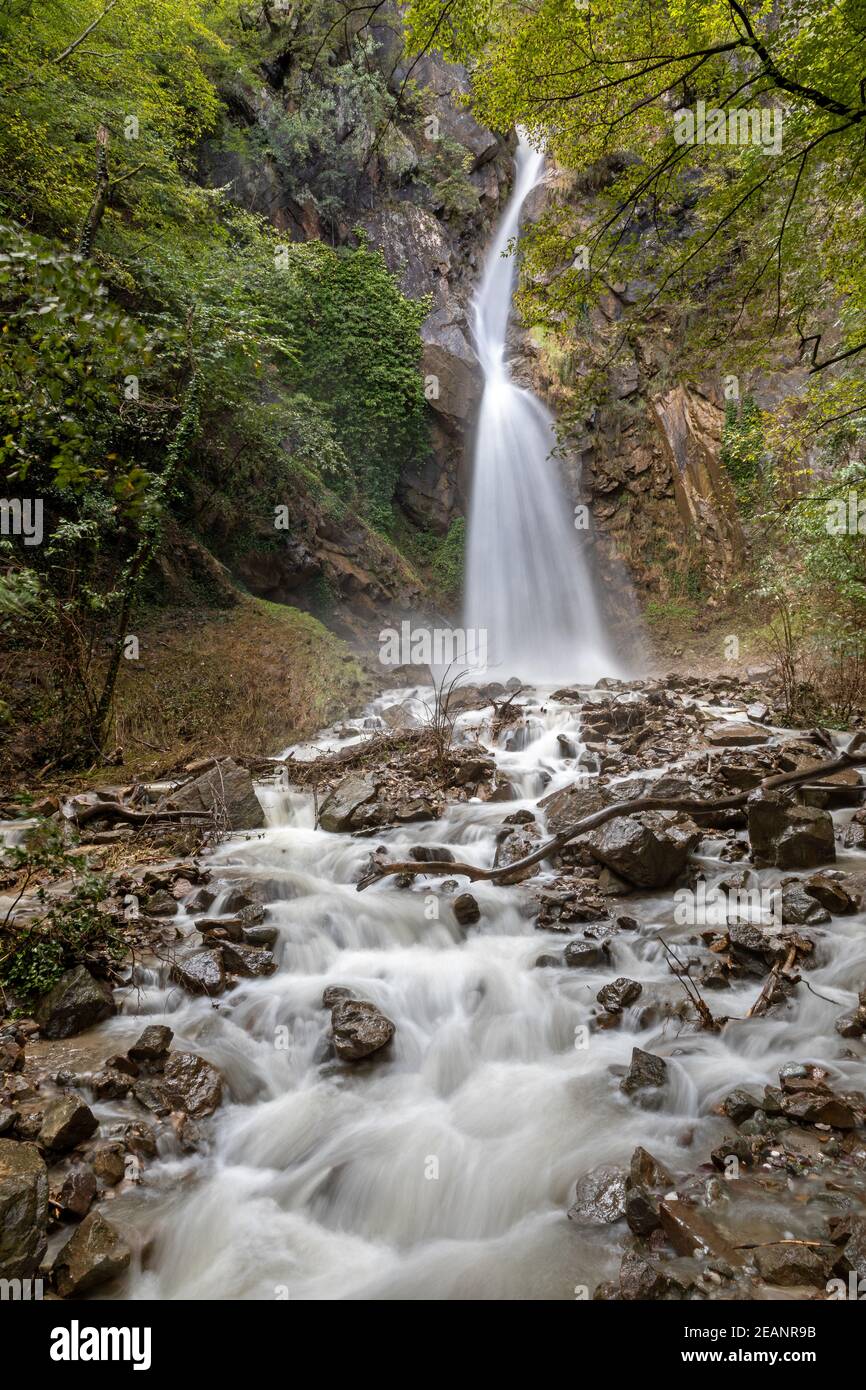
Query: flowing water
{"points": [[443, 1168], [529, 583]]}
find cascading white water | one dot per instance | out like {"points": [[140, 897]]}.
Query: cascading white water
{"points": [[529, 584]]}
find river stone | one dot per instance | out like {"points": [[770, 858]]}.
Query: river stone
{"points": [[109, 1163], [791, 1265], [787, 835], [832, 894], [78, 1191], [599, 1196], [228, 786], [260, 936], [201, 972], [642, 1211], [730, 734], [619, 994], [252, 961], [359, 1028], [346, 798], [740, 1105], [160, 904], [586, 953], [91, 1257], [152, 1045], [641, 1279], [647, 850], [646, 1072], [76, 1002], [190, 1083], [799, 909], [67, 1121], [691, 1231], [23, 1209], [818, 1107], [569, 805], [647, 1171], [466, 910]]}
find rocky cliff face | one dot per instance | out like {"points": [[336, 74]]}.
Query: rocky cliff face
{"points": [[425, 189]]}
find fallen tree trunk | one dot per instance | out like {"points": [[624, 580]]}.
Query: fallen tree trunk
{"points": [[115, 810], [510, 872]]}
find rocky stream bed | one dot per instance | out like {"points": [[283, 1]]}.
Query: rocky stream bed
{"points": [[628, 1070]]}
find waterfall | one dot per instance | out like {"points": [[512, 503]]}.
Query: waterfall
{"points": [[528, 577]]}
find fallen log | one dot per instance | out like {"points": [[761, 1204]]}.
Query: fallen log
{"points": [[115, 810], [511, 872]]}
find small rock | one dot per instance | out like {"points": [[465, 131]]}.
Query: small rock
{"points": [[67, 1121], [791, 1265], [359, 1028], [646, 1072], [94, 1255], [152, 1045], [619, 994], [466, 910], [599, 1197], [109, 1163], [78, 1191], [251, 961], [192, 1084], [201, 972]]}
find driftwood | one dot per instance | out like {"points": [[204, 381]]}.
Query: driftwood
{"points": [[115, 810], [511, 872]]}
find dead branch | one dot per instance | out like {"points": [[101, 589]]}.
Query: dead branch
{"points": [[694, 805]]}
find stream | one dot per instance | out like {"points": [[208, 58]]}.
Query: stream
{"points": [[443, 1167]]}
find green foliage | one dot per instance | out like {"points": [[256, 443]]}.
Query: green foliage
{"points": [[448, 559], [742, 451], [72, 930]]}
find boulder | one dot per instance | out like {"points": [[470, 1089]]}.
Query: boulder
{"points": [[569, 805], [359, 1029], [91, 1257], [224, 786], [599, 1196], [23, 1209], [67, 1121], [787, 835], [190, 1083], [648, 850], [586, 953], [76, 1002], [799, 909], [201, 972], [345, 800], [691, 1231], [832, 894]]}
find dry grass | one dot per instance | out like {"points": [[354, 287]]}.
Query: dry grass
{"points": [[244, 681]]}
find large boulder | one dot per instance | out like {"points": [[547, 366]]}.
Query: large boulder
{"points": [[571, 804], [94, 1255], [23, 1209], [76, 1002], [648, 850], [787, 835], [224, 787]]}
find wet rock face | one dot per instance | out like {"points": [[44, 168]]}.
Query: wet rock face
{"points": [[94, 1255], [792, 1265], [23, 1209], [787, 835], [358, 1027], [648, 850], [76, 1002]]}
